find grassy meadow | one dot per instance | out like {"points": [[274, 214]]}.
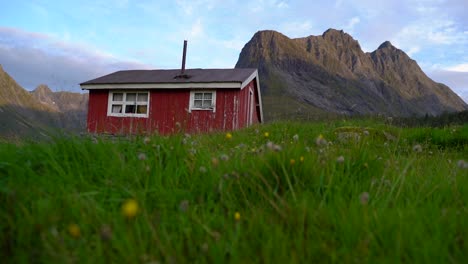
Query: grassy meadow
{"points": [[357, 191]]}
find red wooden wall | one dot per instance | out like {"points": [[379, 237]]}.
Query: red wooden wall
{"points": [[169, 113]]}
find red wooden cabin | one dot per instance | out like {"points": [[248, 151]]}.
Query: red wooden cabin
{"points": [[170, 101]]}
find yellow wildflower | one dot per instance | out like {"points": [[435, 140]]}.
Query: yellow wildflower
{"points": [[130, 208], [301, 158], [237, 216], [228, 135], [74, 230], [266, 134], [292, 161]]}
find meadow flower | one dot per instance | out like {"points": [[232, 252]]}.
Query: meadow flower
{"points": [[292, 161], [340, 159], [301, 159], [320, 141], [192, 151], [237, 216], [224, 157], [214, 162], [202, 169], [130, 208], [417, 148], [74, 230], [295, 138], [462, 164], [366, 133], [266, 134], [146, 140], [364, 198], [228, 135], [142, 156], [271, 146]]}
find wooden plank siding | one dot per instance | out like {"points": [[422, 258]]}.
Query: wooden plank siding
{"points": [[168, 113]]}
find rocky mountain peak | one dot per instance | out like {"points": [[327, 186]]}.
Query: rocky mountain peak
{"points": [[332, 73], [43, 89], [332, 33], [340, 38], [386, 45]]}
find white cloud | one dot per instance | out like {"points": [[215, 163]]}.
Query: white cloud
{"points": [[351, 23], [459, 68], [413, 50], [33, 59], [296, 29], [196, 31], [455, 79], [282, 5], [439, 32]]}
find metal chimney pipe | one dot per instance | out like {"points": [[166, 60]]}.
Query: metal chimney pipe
{"points": [[182, 72]]}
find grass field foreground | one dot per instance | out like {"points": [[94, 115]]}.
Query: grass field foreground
{"points": [[358, 191]]}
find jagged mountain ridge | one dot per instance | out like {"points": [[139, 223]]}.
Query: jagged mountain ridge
{"points": [[73, 105], [22, 114], [331, 73]]}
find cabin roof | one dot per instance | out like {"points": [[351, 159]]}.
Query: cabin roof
{"points": [[173, 76]]}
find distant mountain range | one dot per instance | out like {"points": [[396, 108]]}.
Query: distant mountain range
{"points": [[39, 113], [319, 75], [310, 78]]}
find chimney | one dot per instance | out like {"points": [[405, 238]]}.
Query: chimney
{"points": [[182, 71]]}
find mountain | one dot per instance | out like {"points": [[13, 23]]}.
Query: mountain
{"points": [[22, 114], [330, 74], [72, 106]]}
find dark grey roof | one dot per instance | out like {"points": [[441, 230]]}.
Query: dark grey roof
{"points": [[169, 76]]}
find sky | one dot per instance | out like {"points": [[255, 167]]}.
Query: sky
{"points": [[64, 43]]}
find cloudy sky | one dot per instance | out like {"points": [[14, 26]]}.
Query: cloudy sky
{"points": [[63, 43]]}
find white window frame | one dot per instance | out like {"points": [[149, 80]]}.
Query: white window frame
{"points": [[124, 103], [192, 100]]}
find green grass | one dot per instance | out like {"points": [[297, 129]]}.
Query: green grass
{"points": [[292, 209]]}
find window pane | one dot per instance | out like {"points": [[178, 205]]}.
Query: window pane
{"points": [[142, 109], [130, 109], [116, 109], [117, 97], [206, 103], [131, 97], [208, 95], [197, 103], [198, 95], [142, 97]]}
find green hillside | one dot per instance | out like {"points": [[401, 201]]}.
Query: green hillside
{"points": [[336, 191]]}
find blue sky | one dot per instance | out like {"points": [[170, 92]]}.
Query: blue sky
{"points": [[63, 43]]}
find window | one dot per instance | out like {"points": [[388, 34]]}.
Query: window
{"points": [[203, 100], [134, 104]]}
